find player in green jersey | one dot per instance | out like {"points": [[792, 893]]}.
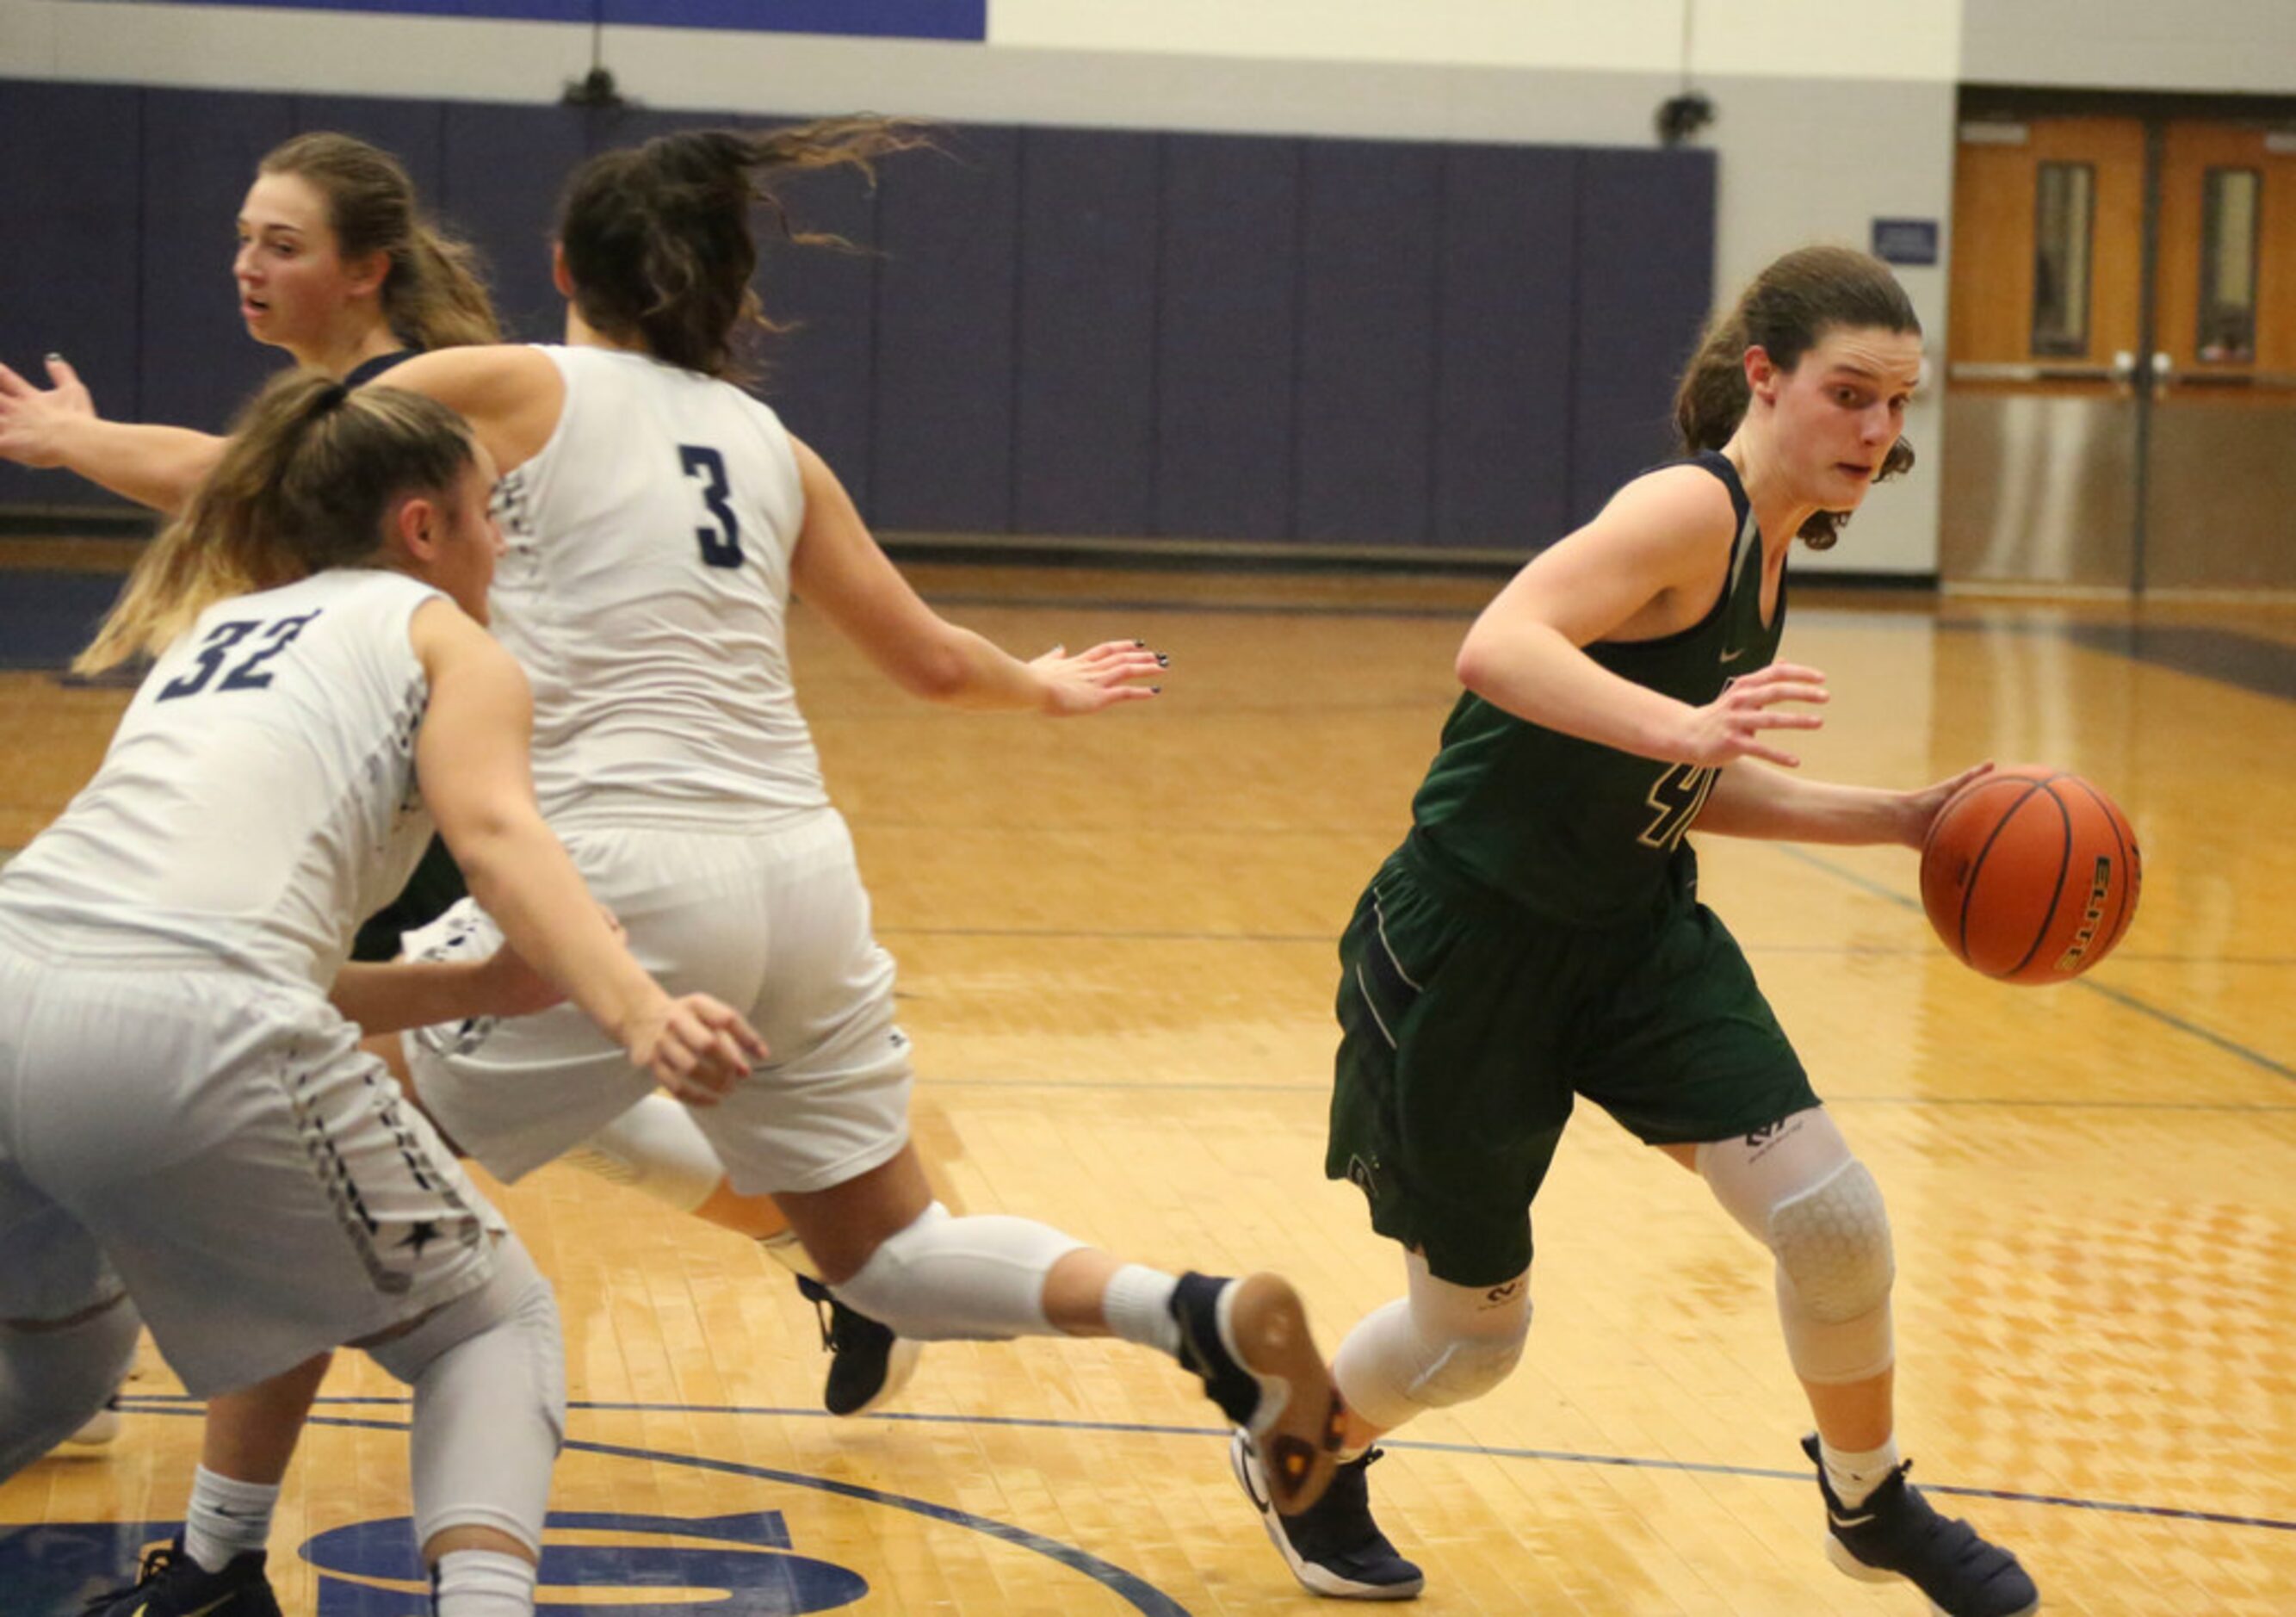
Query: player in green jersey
{"points": [[1538, 937]]}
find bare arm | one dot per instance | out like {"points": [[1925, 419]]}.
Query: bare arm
{"points": [[1749, 800], [386, 998], [510, 395], [1648, 564], [58, 426], [838, 568], [471, 757]]}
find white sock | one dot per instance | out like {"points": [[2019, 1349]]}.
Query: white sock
{"points": [[1855, 1473], [785, 1249], [1138, 1306], [482, 1583], [226, 1518]]}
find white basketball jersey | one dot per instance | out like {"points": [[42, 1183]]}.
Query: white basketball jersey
{"points": [[258, 798], [646, 592]]}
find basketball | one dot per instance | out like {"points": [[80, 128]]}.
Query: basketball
{"points": [[2031, 874]]}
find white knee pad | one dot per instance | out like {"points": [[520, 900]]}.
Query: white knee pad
{"points": [[53, 1377], [1797, 1189], [973, 1279], [656, 1148], [1443, 1344], [489, 1372]]}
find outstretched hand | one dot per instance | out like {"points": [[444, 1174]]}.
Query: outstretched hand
{"points": [[1107, 674], [1730, 726], [694, 1046], [1923, 806], [32, 418]]}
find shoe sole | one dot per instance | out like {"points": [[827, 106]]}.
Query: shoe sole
{"points": [[100, 1433], [1300, 1420], [900, 1365], [1849, 1564], [1315, 1580]]}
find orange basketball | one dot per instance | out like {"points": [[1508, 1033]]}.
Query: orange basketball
{"points": [[2031, 874]]}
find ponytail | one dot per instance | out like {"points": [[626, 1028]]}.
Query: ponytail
{"points": [[658, 239], [309, 474], [435, 296], [1785, 312]]}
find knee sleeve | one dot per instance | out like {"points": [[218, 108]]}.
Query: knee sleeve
{"points": [[53, 1378], [489, 1372], [971, 1279], [1799, 1191], [1441, 1345], [656, 1148]]}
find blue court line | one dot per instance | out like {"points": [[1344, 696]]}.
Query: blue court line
{"points": [[1130, 1587], [2120, 996], [176, 1404]]}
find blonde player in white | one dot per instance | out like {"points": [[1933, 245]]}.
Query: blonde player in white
{"points": [[658, 519], [189, 1130]]}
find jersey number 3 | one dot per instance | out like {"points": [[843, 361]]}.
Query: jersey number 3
{"points": [[273, 638], [721, 546]]}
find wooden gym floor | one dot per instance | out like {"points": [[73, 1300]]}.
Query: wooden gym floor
{"points": [[1116, 942]]}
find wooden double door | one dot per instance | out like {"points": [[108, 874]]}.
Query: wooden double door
{"points": [[2121, 387]]}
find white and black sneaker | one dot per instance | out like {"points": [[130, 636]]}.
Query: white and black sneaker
{"points": [[868, 1364], [1893, 1533], [99, 1430], [1333, 1548], [1249, 1340]]}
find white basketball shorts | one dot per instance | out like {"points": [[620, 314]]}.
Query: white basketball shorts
{"points": [[259, 1183], [774, 924]]}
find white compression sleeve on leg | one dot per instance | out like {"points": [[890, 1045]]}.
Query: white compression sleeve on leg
{"points": [[53, 1377], [657, 1148], [1797, 1189], [489, 1372], [973, 1279], [1441, 1345]]}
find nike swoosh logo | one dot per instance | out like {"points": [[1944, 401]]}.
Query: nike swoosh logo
{"points": [[1733, 656], [1250, 1491], [1839, 1521]]}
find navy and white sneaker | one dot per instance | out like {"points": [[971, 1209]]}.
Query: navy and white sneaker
{"points": [[1249, 1340], [171, 1584], [868, 1365], [1333, 1548], [1894, 1533]]}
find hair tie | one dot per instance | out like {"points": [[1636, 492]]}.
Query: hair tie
{"points": [[332, 395]]}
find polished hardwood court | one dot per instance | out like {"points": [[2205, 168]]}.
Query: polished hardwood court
{"points": [[1116, 938]]}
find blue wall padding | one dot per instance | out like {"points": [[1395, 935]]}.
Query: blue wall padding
{"points": [[1227, 337], [1056, 332], [70, 190], [1503, 346], [941, 449], [1370, 223], [1085, 421], [1645, 247]]}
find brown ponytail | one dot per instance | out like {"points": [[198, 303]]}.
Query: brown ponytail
{"points": [[1785, 312], [658, 237], [434, 293], [306, 478]]}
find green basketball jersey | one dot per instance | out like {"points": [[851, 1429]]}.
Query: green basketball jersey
{"points": [[1573, 830]]}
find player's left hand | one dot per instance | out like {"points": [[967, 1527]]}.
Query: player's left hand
{"points": [[1109, 673], [1922, 808]]}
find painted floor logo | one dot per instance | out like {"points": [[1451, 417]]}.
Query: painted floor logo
{"points": [[372, 1569], [635, 1566]]}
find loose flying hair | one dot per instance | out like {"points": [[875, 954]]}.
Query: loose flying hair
{"points": [[310, 474], [434, 293], [659, 240], [1786, 312]]}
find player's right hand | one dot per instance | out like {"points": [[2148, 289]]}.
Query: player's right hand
{"points": [[32, 419], [1730, 726], [694, 1046]]}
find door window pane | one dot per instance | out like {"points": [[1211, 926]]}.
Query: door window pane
{"points": [[2064, 203], [2228, 221]]}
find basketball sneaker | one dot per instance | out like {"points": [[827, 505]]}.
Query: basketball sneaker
{"points": [[100, 1430], [868, 1365], [1333, 1548], [1893, 1533], [1249, 1341], [172, 1584]]}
